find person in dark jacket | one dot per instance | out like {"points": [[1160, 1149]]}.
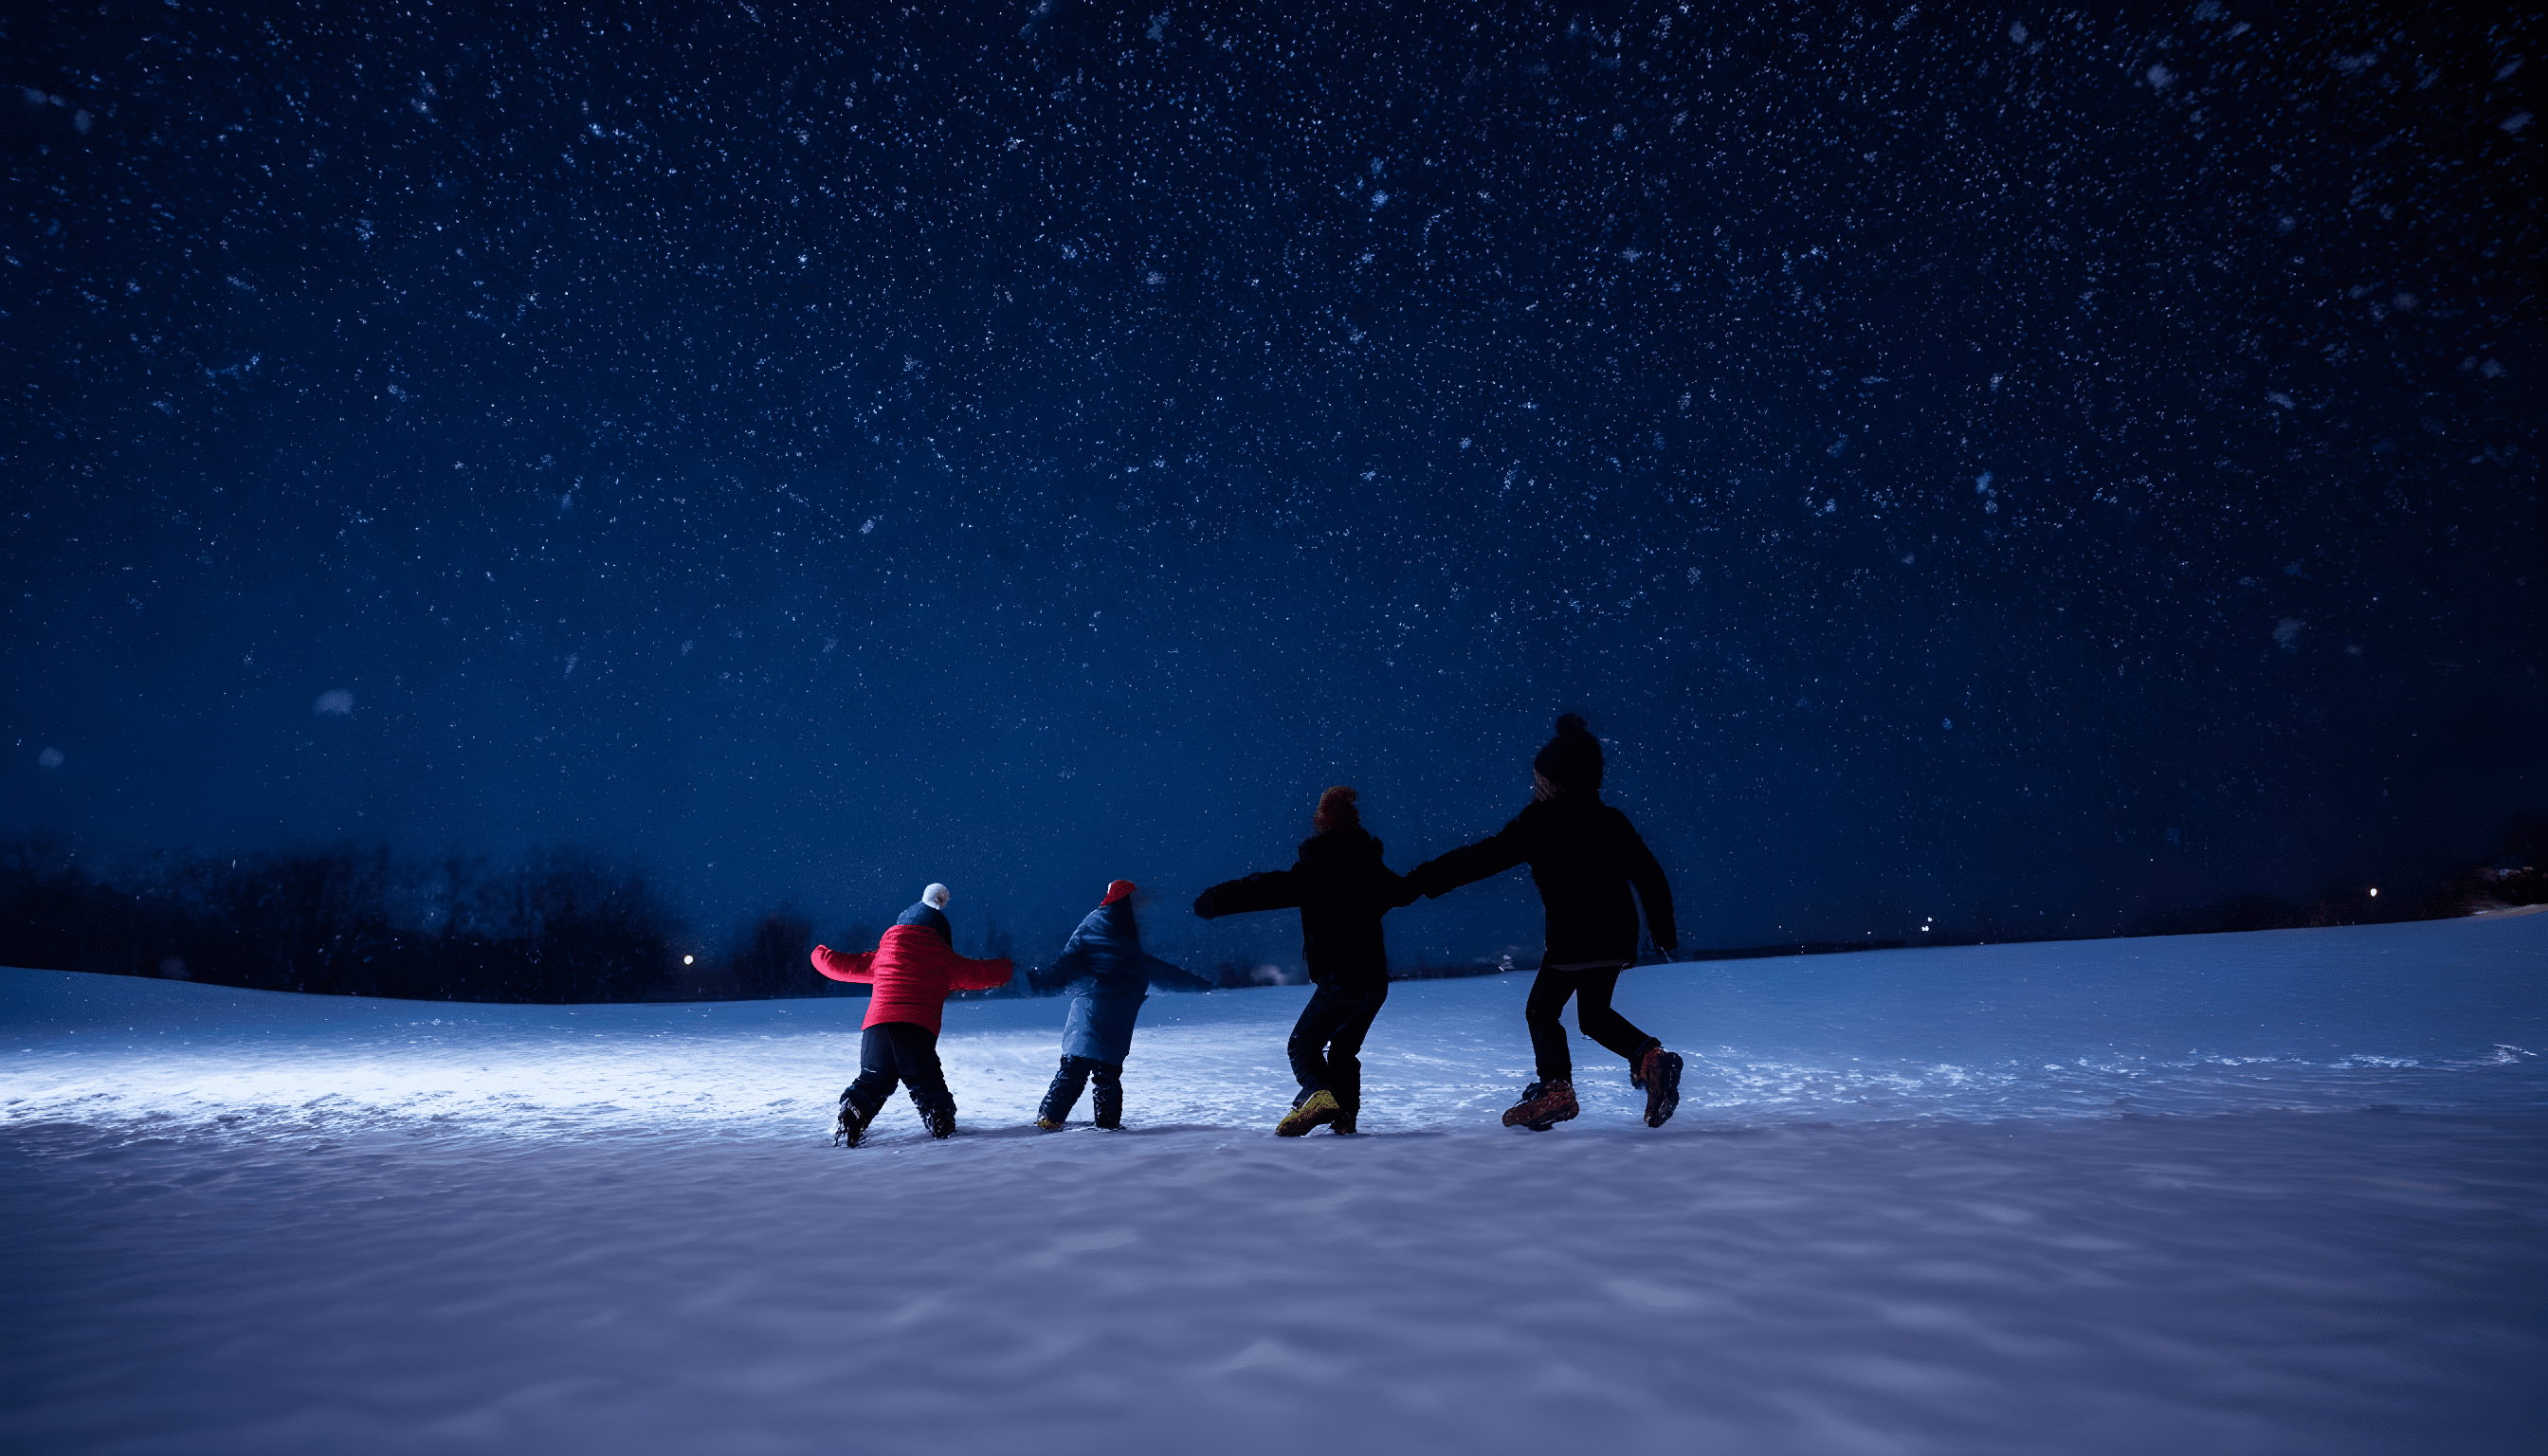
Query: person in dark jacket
{"points": [[1108, 976], [1342, 890], [913, 969], [1585, 857]]}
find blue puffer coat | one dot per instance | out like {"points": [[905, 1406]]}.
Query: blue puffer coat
{"points": [[1109, 979]]}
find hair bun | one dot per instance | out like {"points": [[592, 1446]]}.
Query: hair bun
{"points": [[1572, 724]]}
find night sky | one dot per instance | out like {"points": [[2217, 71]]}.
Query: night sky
{"points": [[2012, 471]]}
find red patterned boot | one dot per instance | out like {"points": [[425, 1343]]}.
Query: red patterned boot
{"points": [[1659, 1072], [1543, 1105]]}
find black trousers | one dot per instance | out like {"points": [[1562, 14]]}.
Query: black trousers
{"points": [[1077, 1072], [1592, 992], [898, 1052], [1326, 1041]]}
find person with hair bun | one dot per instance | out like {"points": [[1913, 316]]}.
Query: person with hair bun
{"points": [[1585, 857], [1342, 890]]}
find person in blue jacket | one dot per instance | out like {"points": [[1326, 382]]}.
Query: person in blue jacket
{"points": [[1109, 977]]}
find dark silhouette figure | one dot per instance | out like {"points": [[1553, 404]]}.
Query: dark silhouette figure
{"points": [[1342, 890], [1585, 857]]}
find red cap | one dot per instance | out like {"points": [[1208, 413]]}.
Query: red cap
{"points": [[1120, 889]]}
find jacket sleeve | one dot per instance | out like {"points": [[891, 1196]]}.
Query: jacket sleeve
{"points": [[1157, 971], [841, 967], [968, 974], [1468, 864], [1647, 874], [1070, 964], [1393, 889], [1271, 889]]}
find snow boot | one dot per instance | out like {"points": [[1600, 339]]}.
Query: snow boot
{"points": [[1543, 1105], [1062, 1096], [1106, 1100], [941, 1120], [1658, 1073], [851, 1124], [1343, 1123], [1054, 1112], [1319, 1107]]}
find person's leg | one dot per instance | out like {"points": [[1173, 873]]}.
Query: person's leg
{"points": [[878, 1073], [1063, 1094], [1106, 1100], [1327, 1010], [1651, 1070], [1316, 1102], [1550, 1100], [1344, 1055], [1592, 1012], [915, 1054], [1548, 1050]]}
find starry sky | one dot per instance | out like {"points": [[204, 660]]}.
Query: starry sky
{"points": [[2012, 471]]}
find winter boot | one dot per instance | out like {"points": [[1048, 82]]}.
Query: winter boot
{"points": [[1658, 1073], [1543, 1105], [851, 1124], [1055, 1110], [1062, 1095], [1319, 1107], [1342, 1125], [1106, 1100], [941, 1120]]}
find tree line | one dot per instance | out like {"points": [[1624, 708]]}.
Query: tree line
{"points": [[567, 924], [560, 924]]}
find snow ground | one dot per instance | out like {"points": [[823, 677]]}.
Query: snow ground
{"points": [[2257, 1194]]}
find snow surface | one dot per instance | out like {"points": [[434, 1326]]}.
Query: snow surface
{"points": [[2264, 1192]]}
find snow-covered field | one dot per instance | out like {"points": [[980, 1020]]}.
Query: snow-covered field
{"points": [[2263, 1193]]}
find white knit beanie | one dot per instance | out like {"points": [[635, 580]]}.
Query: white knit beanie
{"points": [[935, 895]]}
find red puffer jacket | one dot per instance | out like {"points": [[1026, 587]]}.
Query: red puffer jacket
{"points": [[913, 969]]}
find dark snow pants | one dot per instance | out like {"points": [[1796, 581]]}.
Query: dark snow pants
{"points": [[1327, 1042], [904, 1053], [1592, 992], [1076, 1073]]}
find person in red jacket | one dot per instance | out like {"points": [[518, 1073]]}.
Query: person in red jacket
{"points": [[913, 969]]}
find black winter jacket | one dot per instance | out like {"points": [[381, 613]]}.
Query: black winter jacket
{"points": [[1584, 854], [1342, 890]]}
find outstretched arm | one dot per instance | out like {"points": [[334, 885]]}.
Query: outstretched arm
{"points": [[1468, 864], [841, 967], [1069, 965], [982, 975], [1271, 889]]}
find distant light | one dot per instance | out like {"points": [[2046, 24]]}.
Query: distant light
{"points": [[2374, 892], [687, 959]]}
